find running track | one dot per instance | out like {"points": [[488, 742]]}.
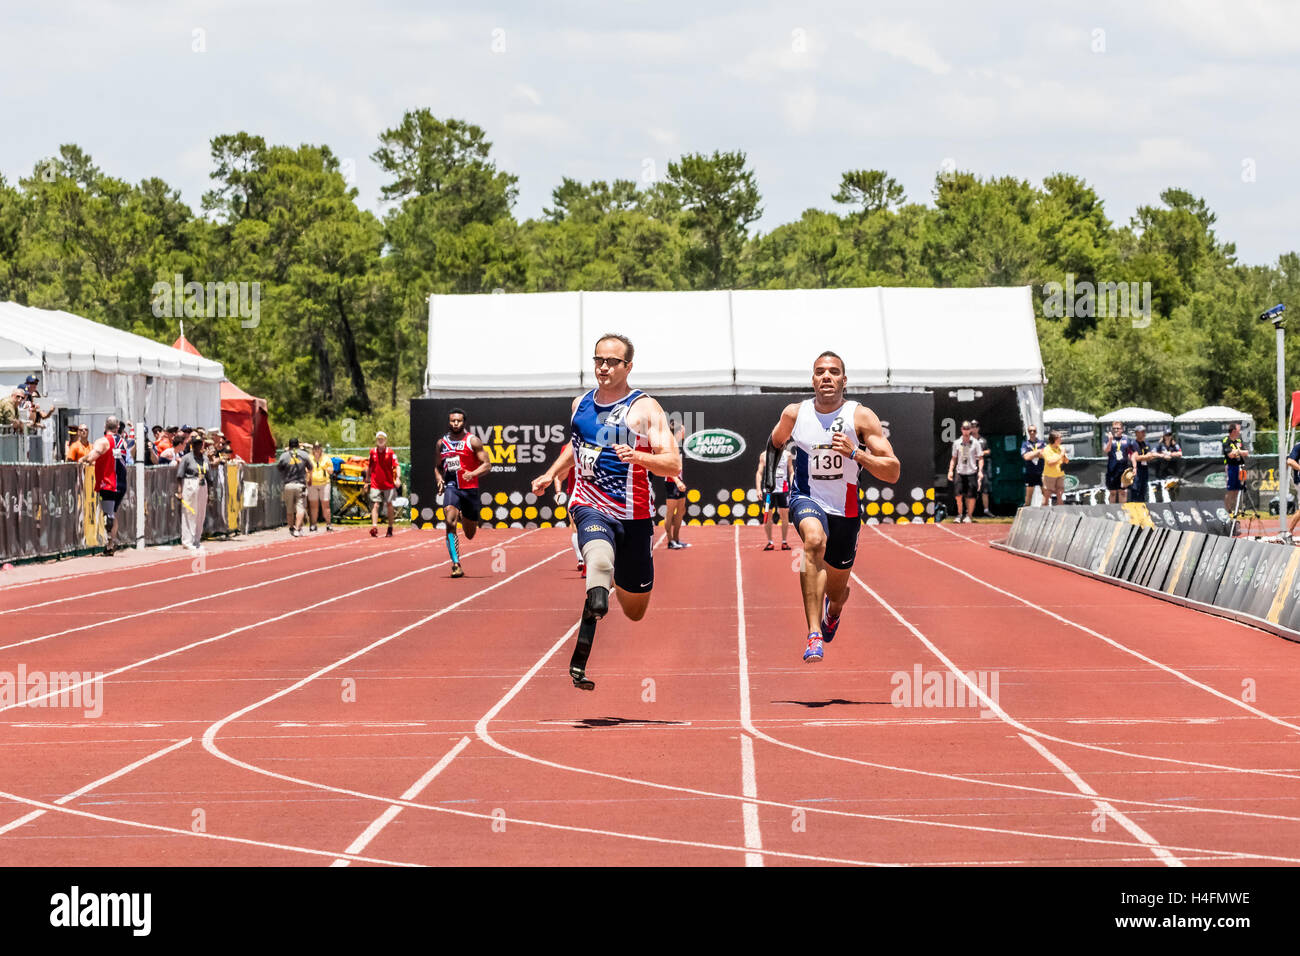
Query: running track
{"points": [[346, 703]]}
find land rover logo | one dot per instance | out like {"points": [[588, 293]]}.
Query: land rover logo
{"points": [[1217, 480], [714, 445], [1071, 482]]}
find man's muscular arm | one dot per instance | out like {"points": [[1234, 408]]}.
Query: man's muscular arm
{"points": [[664, 458], [876, 455]]}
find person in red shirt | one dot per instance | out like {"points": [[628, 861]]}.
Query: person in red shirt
{"points": [[382, 470]]}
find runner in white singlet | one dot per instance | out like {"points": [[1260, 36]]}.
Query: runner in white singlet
{"points": [[833, 439]]}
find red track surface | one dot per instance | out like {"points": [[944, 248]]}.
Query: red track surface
{"points": [[307, 702]]}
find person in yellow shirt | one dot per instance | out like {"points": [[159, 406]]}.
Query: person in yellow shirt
{"points": [[1054, 458], [320, 470]]}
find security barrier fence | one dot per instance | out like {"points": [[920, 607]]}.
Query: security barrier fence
{"points": [[1255, 582], [52, 510]]}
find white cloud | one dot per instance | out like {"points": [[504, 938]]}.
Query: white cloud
{"points": [[1241, 28], [528, 93], [904, 41], [1158, 154]]}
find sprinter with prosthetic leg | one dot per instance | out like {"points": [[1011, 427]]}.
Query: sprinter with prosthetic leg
{"points": [[619, 436], [833, 440]]}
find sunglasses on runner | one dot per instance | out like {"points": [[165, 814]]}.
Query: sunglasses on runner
{"points": [[611, 362]]}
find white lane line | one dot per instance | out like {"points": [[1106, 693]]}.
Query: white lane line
{"points": [[79, 599], [749, 779], [1179, 674], [411, 792], [482, 732], [1141, 835], [221, 838], [248, 627], [990, 704], [28, 818], [205, 597]]}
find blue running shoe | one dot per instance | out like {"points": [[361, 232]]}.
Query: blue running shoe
{"points": [[829, 627], [813, 652]]}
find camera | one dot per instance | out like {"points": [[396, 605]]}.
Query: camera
{"points": [[1273, 315]]}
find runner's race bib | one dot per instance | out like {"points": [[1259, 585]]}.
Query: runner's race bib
{"points": [[587, 456], [451, 465], [825, 463]]}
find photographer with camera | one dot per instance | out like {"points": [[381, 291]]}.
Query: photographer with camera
{"points": [[1234, 460]]}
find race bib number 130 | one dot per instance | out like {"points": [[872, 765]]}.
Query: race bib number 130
{"points": [[825, 463]]}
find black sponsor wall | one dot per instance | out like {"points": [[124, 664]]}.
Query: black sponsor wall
{"points": [[725, 436]]}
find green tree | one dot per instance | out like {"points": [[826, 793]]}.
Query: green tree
{"points": [[720, 199]]}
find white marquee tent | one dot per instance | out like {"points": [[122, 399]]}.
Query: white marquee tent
{"points": [[738, 342], [99, 371]]}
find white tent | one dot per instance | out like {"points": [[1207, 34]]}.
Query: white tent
{"points": [[1071, 416], [1155, 421], [738, 342], [98, 370], [1207, 426]]}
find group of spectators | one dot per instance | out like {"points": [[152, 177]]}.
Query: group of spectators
{"points": [[19, 408], [308, 477]]}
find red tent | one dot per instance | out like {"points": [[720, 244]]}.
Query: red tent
{"points": [[244, 419]]}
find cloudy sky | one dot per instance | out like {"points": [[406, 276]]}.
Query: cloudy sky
{"points": [[1134, 97]]}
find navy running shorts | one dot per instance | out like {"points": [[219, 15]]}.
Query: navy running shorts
{"points": [[631, 538], [670, 490], [841, 532], [466, 502]]}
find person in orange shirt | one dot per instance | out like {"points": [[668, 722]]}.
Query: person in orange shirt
{"points": [[80, 447]]}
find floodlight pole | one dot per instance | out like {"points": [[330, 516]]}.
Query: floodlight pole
{"points": [[1283, 477]]}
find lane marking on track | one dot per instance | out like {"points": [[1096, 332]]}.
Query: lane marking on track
{"points": [[749, 782], [991, 705], [481, 731], [257, 624], [184, 556], [1010, 786], [204, 597], [81, 597], [411, 792], [1141, 835], [1140, 656], [68, 798], [221, 838]]}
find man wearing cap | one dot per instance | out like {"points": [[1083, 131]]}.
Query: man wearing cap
{"points": [[1117, 451], [1031, 450], [29, 413], [1234, 460], [1140, 457], [293, 468], [382, 470]]}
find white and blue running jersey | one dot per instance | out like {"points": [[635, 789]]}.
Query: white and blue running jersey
{"points": [[602, 481], [818, 471]]}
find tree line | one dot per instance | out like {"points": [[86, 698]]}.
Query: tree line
{"points": [[342, 324]]}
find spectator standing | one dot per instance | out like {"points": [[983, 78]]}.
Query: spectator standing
{"points": [[1117, 451], [293, 469], [965, 464], [80, 446], [321, 470], [193, 478], [1234, 460], [1141, 457], [1031, 450], [985, 482], [1054, 460], [382, 470], [675, 501]]}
